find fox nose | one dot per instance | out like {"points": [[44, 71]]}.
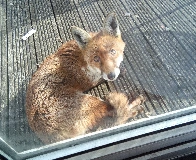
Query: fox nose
{"points": [[111, 75]]}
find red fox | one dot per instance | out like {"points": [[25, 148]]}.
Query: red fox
{"points": [[56, 106]]}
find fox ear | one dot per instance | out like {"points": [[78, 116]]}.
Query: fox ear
{"points": [[111, 25], [81, 36]]}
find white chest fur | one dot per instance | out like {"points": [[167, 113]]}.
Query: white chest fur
{"points": [[93, 73]]}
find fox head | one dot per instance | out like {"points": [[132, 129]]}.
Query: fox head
{"points": [[102, 51]]}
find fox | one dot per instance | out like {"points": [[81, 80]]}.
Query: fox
{"points": [[57, 106]]}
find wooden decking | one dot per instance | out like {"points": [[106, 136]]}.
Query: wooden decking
{"points": [[160, 55]]}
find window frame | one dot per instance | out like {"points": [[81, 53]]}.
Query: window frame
{"points": [[176, 126]]}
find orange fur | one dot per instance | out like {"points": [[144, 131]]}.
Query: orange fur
{"points": [[56, 106]]}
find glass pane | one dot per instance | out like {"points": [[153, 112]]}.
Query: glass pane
{"points": [[159, 55]]}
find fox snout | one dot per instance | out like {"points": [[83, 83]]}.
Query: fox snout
{"points": [[111, 76], [111, 68]]}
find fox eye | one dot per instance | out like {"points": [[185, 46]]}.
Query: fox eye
{"points": [[112, 51], [96, 58]]}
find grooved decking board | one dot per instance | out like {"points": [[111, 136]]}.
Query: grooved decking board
{"points": [[66, 16], [47, 38], [159, 57], [18, 63], [3, 72], [176, 60], [166, 52]]}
